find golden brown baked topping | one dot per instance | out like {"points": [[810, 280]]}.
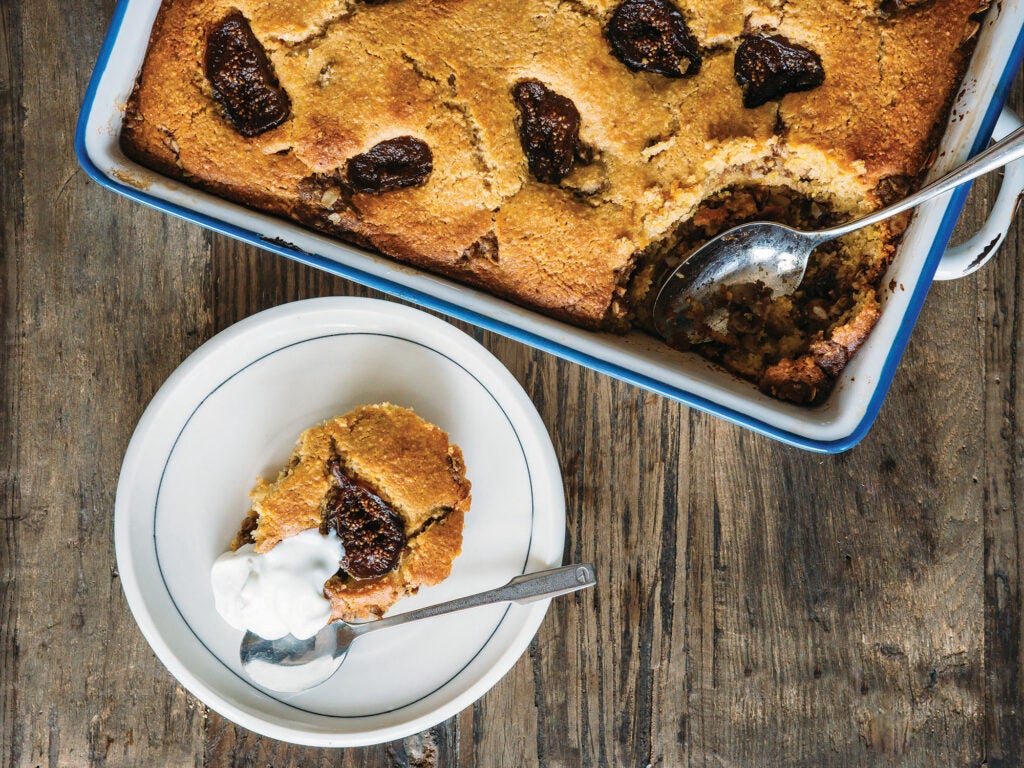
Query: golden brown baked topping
{"points": [[769, 66], [243, 78], [652, 36], [369, 529], [549, 130], [404, 161]]}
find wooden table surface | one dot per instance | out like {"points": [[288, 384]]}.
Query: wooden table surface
{"points": [[758, 605]]}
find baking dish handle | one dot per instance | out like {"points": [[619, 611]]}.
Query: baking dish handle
{"points": [[961, 260]]}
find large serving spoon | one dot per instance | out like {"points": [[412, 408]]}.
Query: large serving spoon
{"points": [[776, 255], [291, 665]]}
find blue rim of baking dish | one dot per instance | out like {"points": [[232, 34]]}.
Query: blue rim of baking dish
{"points": [[920, 291]]}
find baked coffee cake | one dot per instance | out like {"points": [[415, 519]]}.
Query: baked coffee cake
{"points": [[563, 154], [389, 485]]}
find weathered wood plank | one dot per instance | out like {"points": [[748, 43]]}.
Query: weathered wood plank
{"points": [[95, 316], [1000, 325], [12, 221], [757, 605]]}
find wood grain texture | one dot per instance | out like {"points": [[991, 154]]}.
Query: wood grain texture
{"points": [[999, 323], [758, 605]]}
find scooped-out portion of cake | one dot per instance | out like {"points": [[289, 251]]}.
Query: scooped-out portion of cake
{"points": [[794, 346], [386, 483], [551, 152]]}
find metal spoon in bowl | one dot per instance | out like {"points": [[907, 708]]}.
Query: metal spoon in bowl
{"points": [[291, 665], [776, 255]]}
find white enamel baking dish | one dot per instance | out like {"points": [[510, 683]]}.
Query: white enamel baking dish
{"points": [[834, 426]]}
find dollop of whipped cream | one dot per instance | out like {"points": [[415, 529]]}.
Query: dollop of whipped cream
{"points": [[278, 592]]}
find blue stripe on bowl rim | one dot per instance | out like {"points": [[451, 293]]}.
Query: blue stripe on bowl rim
{"points": [[945, 230]]}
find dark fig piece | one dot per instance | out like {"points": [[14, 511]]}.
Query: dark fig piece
{"points": [[652, 36], [370, 531], [769, 67], [404, 161], [243, 78], [549, 132]]}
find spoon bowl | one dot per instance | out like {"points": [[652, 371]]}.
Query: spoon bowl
{"points": [[773, 255], [290, 665]]}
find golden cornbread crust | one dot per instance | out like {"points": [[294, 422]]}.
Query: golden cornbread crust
{"points": [[401, 458], [357, 74]]}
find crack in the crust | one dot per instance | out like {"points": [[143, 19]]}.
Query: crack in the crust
{"points": [[476, 139], [170, 140], [779, 127], [582, 8], [436, 516], [723, 46], [424, 73], [448, 92], [293, 45]]}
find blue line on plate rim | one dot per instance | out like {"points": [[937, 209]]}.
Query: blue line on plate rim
{"points": [[163, 471]]}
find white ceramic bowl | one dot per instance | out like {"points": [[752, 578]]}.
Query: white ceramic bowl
{"points": [[233, 410]]}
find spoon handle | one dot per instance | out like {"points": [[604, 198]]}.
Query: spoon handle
{"points": [[999, 154], [522, 589]]}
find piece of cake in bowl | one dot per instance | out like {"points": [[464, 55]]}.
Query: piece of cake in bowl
{"points": [[386, 483]]}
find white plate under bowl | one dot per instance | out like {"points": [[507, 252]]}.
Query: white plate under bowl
{"points": [[233, 410]]}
